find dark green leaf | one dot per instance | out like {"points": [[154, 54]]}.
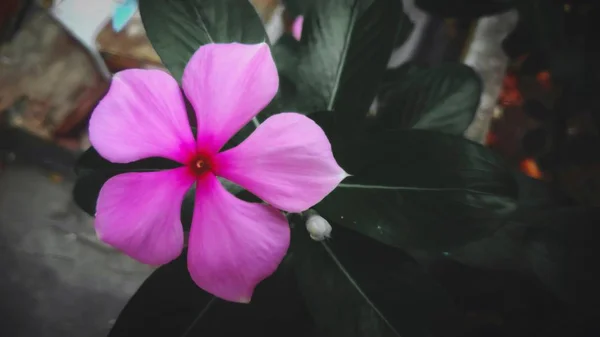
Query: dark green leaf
{"points": [[170, 304], [356, 287], [420, 190], [535, 142], [86, 190], [562, 251], [91, 161], [544, 22], [187, 207], [538, 194], [464, 9], [298, 7], [93, 171], [405, 28], [344, 50], [285, 54], [504, 249], [540, 31], [177, 28], [537, 110], [442, 98], [508, 303], [557, 246]]}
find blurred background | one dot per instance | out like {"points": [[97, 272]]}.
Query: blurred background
{"points": [[538, 110]]}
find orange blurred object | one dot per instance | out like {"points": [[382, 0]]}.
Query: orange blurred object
{"points": [[510, 94], [491, 138], [544, 79], [510, 81], [530, 168], [511, 97]]}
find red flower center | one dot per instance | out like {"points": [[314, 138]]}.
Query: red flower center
{"points": [[200, 164]]}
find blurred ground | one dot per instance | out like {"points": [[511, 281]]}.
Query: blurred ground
{"points": [[57, 279]]}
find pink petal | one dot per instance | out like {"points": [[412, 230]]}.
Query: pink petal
{"points": [[297, 27], [139, 214], [228, 84], [287, 162], [233, 244], [142, 115]]}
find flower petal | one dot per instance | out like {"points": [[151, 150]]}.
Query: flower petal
{"points": [[139, 214], [228, 84], [233, 244], [297, 27], [142, 115], [287, 162]]}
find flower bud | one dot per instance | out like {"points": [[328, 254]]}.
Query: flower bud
{"points": [[318, 228]]}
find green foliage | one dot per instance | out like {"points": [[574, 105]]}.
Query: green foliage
{"points": [[419, 193], [341, 61], [170, 304], [93, 171], [465, 9], [442, 98], [177, 28], [420, 189], [356, 287]]}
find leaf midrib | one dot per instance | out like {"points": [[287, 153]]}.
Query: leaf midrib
{"points": [[358, 289], [342, 63], [418, 189], [200, 314], [210, 38]]}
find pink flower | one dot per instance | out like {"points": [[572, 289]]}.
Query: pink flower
{"points": [[297, 27], [287, 162]]}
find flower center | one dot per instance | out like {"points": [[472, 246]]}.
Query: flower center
{"points": [[199, 165]]}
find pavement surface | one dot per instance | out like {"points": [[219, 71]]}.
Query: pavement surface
{"points": [[57, 279]]}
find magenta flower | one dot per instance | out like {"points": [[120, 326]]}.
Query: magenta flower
{"points": [[287, 162], [297, 27]]}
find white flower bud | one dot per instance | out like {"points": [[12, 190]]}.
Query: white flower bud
{"points": [[318, 228]]}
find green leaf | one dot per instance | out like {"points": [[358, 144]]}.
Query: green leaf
{"points": [[405, 28], [504, 249], [356, 287], [344, 50], [177, 28], [544, 22], [560, 248], [509, 303], [555, 245], [301, 7], [464, 9], [87, 188], [442, 98], [93, 171], [169, 304], [419, 189], [91, 161], [540, 32], [298, 7], [285, 53]]}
